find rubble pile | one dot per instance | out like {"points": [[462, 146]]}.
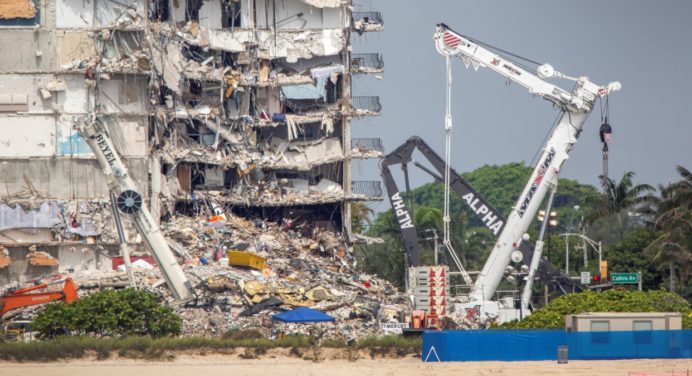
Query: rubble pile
{"points": [[306, 267]]}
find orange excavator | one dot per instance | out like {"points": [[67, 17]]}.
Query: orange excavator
{"points": [[24, 297]]}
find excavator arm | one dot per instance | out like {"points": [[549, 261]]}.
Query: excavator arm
{"points": [[25, 297]]}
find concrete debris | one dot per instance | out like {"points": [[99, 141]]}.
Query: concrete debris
{"points": [[364, 25], [41, 259], [56, 85], [4, 257], [324, 3], [363, 152], [306, 266], [17, 9]]}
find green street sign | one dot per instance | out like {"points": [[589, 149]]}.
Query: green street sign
{"points": [[624, 278]]}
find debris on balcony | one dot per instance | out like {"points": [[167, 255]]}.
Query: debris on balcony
{"points": [[367, 21], [38, 258], [17, 9]]}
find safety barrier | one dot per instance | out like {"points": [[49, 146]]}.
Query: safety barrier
{"points": [[522, 345]]}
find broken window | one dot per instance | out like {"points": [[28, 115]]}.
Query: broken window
{"points": [[120, 44], [201, 92], [230, 14], [19, 13], [158, 10], [192, 10]]}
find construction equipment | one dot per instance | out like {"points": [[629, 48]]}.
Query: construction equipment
{"points": [[575, 107], [25, 297], [130, 201], [484, 211]]}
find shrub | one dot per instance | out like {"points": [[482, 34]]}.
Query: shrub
{"points": [[552, 316], [110, 313]]}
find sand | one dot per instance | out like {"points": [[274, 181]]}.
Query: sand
{"points": [[213, 365]]}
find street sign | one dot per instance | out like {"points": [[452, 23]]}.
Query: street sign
{"points": [[624, 278], [394, 327], [585, 278]]}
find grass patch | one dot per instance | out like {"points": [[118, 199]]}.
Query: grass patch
{"points": [[164, 348], [391, 342]]}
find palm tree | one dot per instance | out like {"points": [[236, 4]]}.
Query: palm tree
{"points": [[674, 220], [426, 217], [360, 217], [621, 197]]}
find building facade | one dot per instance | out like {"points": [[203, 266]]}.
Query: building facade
{"points": [[241, 105]]}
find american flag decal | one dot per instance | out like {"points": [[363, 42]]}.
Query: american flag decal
{"points": [[451, 40]]}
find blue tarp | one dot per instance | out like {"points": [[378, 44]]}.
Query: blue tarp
{"points": [[522, 345], [303, 314]]}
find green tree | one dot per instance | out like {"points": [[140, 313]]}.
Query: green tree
{"points": [[622, 197], [674, 221], [501, 187], [629, 255], [110, 313]]}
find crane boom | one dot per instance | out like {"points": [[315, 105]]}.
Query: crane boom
{"points": [[575, 107], [130, 202]]}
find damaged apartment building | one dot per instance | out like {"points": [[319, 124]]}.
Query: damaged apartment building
{"points": [[245, 105]]}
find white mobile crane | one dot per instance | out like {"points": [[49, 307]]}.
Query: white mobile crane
{"points": [[575, 107], [129, 201]]}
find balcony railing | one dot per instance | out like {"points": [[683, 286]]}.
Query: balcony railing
{"points": [[366, 103], [372, 188], [365, 62], [374, 144], [367, 21], [368, 17]]}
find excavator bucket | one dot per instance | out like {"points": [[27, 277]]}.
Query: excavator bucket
{"points": [[70, 291]]}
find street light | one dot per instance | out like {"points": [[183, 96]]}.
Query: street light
{"points": [[595, 245], [552, 222]]}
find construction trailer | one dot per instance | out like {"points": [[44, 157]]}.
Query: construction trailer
{"points": [[623, 321]]}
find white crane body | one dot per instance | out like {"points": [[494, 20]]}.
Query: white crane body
{"points": [[575, 106]]}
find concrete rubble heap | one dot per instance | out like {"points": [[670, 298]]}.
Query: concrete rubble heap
{"points": [[306, 267]]}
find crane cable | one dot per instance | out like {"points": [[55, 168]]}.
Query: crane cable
{"points": [[605, 134], [448, 152]]}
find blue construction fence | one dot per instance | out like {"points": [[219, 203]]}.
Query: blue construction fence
{"points": [[522, 345]]}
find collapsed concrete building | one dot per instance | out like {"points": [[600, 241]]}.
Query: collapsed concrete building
{"points": [[244, 104]]}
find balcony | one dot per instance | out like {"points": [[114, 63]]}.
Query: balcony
{"points": [[367, 63], [362, 148], [367, 21], [366, 189], [366, 105]]}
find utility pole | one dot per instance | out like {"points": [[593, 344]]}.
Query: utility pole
{"points": [[567, 255], [436, 248], [639, 280]]}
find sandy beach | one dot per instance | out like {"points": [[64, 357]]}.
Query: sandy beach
{"points": [[222, 365]]}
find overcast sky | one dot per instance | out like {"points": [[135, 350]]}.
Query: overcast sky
{"points": [[646, 45]]}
